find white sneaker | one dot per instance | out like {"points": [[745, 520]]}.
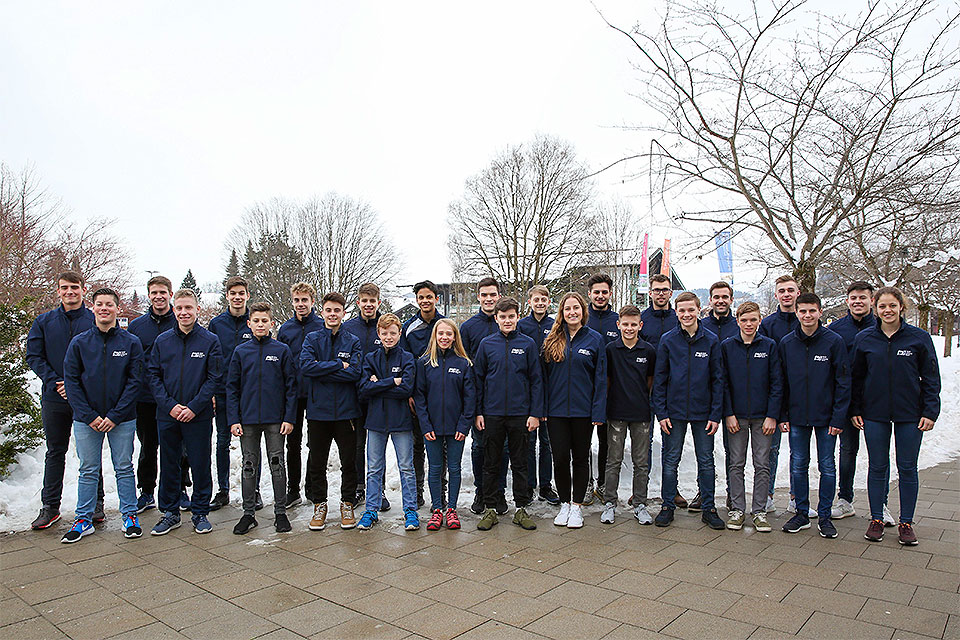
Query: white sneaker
{"points": [[575, 521], [563, 516], [609, 513], [888, 520], [770, 507], [642, 515], [842, 509], [811, 512], [792, 508]]}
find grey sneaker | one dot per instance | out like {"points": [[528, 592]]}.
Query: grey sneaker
{"points": [[735, 520], [609, 513], [888, 519], [770, 507], [642, 515], [842, 509]]}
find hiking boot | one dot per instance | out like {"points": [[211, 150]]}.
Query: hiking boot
{"points": [[293, 499], [384, 503], [642, 515], [347, 519], [522, 519], [453, 520], [281, 523], [488, 520], [81, 527], [477, 506], [98, 514], [257, 502], [760, 523], [842, 509], [797, 523], [367, 520], [827, 530], [664, 518], [680, 501], [319, 519], [222, 499], [609, 513], [436, 520], [888, 519], [48, 516], [548, 495], [712, 520], [131, 526], [696, 504], [907, 536], [735, 520], [246, 523], [501, 506], [145, 501], [168, 522], [575, 521], [411, 519], [563, 516], [874, 531]]}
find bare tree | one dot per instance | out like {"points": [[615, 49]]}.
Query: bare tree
{"points": [[935, 284], [795, 131], [524, 219]]}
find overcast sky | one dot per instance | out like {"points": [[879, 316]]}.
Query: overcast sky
{"points": [[172, 118]]}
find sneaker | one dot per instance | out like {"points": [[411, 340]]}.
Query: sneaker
{"points": [[575, 521], [609, 513], [501, 506], [488, 520], [367, 520], [760, 522], [874, 531], [548, 495], [589, 496], [696, 504], [98, 514], [319, 519], [827, 530], [48, 516], [842, 509], [664, 518], [201, 524], [145, 501], [361, 497], [168, 522], [563, 516], [246, 523], [411, 520], [293, 499], [770, 507], [184, 501], [81, 527], [281, 523], [812, 513], [436, 520], [797, 523], [907, 536], [642, 515], [384, 503], [680, 502], [598, 493], [712, 520], [888, 519], [735, 520], [257, 502], [347, 519], [792, 508], [131, 526], [523, 520], [452, 520], [477, 506], [222, 499]]}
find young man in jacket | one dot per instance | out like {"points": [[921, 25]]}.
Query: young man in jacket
{"points": [[602, 319], [102, 373]]}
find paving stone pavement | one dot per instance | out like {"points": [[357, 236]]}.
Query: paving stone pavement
{"points": [[619, 581]]}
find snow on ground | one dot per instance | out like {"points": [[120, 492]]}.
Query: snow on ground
{"points": [[20, 491]]}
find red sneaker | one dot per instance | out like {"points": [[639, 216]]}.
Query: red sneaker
{"points": [[436, 520], [453, 520], [874, 531], [908, 536]]}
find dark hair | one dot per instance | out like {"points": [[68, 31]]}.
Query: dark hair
{"points": [[809, 298], [488, 282], [505, 304], [426, 284], [105, 291], [787, 278], [72, 276], [629, 310], [860, 285], [369, 289], [261, 307], [721, 285], [236, 281], [891, 291], [748, 307], [333, 296], [659, 277], [687, 296], [599, 278], [161, 280]]}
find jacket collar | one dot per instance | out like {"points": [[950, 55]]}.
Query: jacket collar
{"points": [[73, 314], [721, 319], [804, 337], [264, 340], [307, 319], [660, 313], [158, 319], [867, 321], [184, 336]]}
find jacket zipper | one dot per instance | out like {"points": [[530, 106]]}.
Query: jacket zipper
{"points": [[260, 385], [443, 386], [689, 375], [183, 361], [104, 374], [506, 372], [749, 403], [807, 383], [889, 380]]}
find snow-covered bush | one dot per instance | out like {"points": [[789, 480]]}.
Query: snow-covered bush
{"points": [[20, 425]]}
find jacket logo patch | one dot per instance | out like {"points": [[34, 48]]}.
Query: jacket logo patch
{"points": [[453, 370], [518, 352], [613, 334], [701, 354], [760, 354], [377, 341], [198, 354], [344, 354], [272, 359], [641, 360], [121, 354], [821, 358], [900, 352], [395, 370], [246, 336], [585, 352]]}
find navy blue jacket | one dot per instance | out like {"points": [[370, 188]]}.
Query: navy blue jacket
{"points": [[723, 327], [752, 378], [778, 324], [604, 322], [529, 326], [147, 327], [47, 342], [628, 369], [231, 331], [415, 334], [366, 332], [895, 379], [848, 328], [657, 322], [476, 328], [102, 372], [816, 379], [292, 333], [577, 387], [261, 383], [332, 391], [388, 406], [185, 368], [509, 376], [688, 379], [445, 395]]}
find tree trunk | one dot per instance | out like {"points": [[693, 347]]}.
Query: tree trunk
{"points": [[806, 274], [947, 332], [923, 319]]}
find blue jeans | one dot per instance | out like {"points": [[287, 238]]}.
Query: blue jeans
{"points": [[545, 475], [673, 448], [376, 463], [907, 443], [435, 451], [775, 459], [847, 467], [800, 468], [90, 452]]}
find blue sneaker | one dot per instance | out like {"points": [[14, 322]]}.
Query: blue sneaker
{"points": [[184, 501], [201, 524], [131, 526], [411, 520], [367, 520], [145, 501], [169, 521], [81, 527]]}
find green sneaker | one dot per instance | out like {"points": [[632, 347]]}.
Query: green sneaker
{"points": [[523, 519], [488, 520], [760, 523], [735, 520]]}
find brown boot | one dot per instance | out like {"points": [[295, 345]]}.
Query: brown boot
{"points": [[347, 519], [319, 520]]}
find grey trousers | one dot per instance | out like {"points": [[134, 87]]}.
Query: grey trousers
{"points": [[639, 453], [752, 431], [249, 479]]}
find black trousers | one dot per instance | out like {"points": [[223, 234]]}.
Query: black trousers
{"points": [[320, 435], [147, 468], [513, 431], [570, 443], [294, 448], [57, 421]]}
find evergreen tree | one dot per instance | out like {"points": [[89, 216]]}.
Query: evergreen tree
{"points": [[233, 269], [270, 268], [20, 425], [135, 303], [189, 282]]}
